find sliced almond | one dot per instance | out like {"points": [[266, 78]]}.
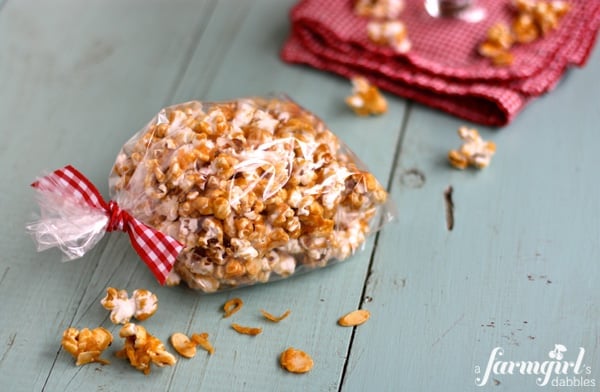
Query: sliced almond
{"points": [[232, 306], [354, 318], [246, 330], [202, 341], [273, 318], [296, 361], [183, 345]]}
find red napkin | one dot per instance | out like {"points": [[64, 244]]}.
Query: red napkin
{"points": [[443, 68]]}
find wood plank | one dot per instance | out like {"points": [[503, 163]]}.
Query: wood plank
{"points": [[114, 77], [518, 270], [246, 66], [77, 79]]}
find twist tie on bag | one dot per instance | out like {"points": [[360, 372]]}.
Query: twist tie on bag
{"points": [[74, 217]]}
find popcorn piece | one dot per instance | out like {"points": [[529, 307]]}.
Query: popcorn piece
{"points": [[559, 8], [354, 318], [183, 345], [389, 33], [497, 45], [474, 151], [380, 9], [284, 266], [457, 159], [366, 98], [273, 318], [534, 19], [232, 306], [246, 330], [143, 349], [296, 361], [524, 28], [537, 18], [202, 341], [256, 189], [547, 14], [87, 345], [142, 305], [500, 35]]}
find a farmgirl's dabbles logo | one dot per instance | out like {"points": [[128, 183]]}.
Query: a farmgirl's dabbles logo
{"points": [[559, 370]]}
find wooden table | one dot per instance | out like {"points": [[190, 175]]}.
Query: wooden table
{"points": [[519, 270]]}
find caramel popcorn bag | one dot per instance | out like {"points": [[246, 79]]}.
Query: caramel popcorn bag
{"points": [[224, 195]]}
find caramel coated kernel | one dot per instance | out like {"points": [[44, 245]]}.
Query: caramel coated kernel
{"points": [[87, 345], [534, 19], [379, 9], [142, 305], [142, 349], [497, 44], [366, 98], [474, 151], [393, 34]]}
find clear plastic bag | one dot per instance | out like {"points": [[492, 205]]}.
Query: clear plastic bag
{"points": [[255, 190]]}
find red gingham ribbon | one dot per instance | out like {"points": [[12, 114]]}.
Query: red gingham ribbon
{"points": [[158, 250]]}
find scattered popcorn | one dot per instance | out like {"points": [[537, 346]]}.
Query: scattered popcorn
{"points": [[380, 9], [497, 45], [354, 318], [537, 18], [534, 19], [143, 349], [246, 330], [525, 29], [389, 33], [501, 36], [202, 341], [474, 151], [86, 345], [296, 361], [183, 345], [273, 318], [366, 98], [141, 305], [232, 306]]}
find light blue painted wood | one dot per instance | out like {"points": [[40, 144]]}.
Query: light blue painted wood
{"points": [[518, 270], [233, 55]]}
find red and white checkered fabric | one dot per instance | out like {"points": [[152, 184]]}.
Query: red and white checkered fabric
{"points": [[156, 249], [443, 68]]}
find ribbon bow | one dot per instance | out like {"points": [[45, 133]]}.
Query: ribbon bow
{"points": [[156, 249]]}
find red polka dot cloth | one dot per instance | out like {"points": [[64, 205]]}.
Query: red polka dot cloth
{"points": [[443, 68]]}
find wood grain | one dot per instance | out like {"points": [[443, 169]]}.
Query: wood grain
{"points": [[518, 269]]}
